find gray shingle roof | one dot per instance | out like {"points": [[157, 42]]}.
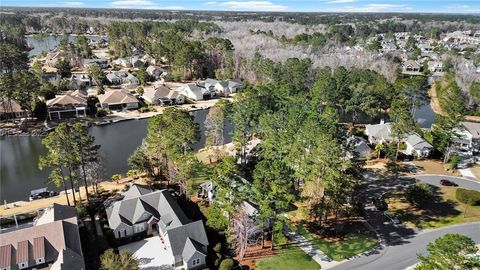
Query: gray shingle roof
{"points": [[417, 142], [178, 237]]}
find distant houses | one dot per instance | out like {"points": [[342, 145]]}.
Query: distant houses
{"points": [[53, 242], [118, 100], [156, 213]]}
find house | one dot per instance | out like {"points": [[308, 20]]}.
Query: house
{"points": [[123, 77], [132, 61], [359, 147], [225, 87], [176, 97], [155, 71], [469, 137], [195, 92], [417, 146], [157, 95], [53, 242], [100, 62], [10, 109], [146, 212], [411, 66], [81, 80], [379, 133], [118, 100], [64, 106], [388, 46], [435, 66], [51, 77], [425, 47]]}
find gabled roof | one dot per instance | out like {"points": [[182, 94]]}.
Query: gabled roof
{"points": [[157, 92], [117, 97], [472, 128], [159, 204], [190, 248], [5, 104], [56, 212], [5, 256], [136, 191], [379, 131], [178, 237], [65, 100], [417, 142]]}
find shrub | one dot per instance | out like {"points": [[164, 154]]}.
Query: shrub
{"points": [[226, 264], [419, 194], [470, 197], [101, 113], [81, 209]]}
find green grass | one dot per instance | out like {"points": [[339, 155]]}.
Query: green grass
{"points": [[288, 258], [446, 210], [351, 245]]}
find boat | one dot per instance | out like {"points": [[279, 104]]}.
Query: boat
{"points": [[41, 193]]}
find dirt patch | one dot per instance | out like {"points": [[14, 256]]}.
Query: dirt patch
{"points": [[434, 102], [434, 167], [476, 171]]}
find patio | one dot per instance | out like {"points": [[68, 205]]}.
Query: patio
{"points": [[151, 253]]}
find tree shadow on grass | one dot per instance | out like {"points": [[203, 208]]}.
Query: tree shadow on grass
{"points": [[435, 210]]}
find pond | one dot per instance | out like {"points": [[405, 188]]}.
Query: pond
{"points": [[19, 171], [51, 42]]}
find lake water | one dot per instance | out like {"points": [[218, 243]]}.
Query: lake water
{"points": [[19, 155], [51, 42]]}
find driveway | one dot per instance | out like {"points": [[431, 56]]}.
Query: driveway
{"points": [[433, 179], [403, 254]]}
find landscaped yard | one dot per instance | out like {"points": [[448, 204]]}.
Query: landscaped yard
{"points": [[340, 249], [289, 257], [445, 210], [434, 167]]}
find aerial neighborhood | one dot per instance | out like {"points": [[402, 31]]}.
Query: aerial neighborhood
{"points": [[134, 137]]}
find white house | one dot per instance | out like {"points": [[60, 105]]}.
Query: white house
{"points": [[417, 146], [379, 133], [195, 92], [155, 71]]}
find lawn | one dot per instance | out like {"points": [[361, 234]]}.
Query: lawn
{"points": [[443, 211], [290, 257], [349, 246]]}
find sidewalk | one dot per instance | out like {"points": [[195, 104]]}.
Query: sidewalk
{"points": [[323, 260]]}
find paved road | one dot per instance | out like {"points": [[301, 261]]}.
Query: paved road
{"points": [[462, 182], [403, 254]]}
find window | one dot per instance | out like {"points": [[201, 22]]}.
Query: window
{"points": [[196, 262]]}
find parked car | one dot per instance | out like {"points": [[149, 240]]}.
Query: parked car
{"points": [[445, 182], [391, 217]]}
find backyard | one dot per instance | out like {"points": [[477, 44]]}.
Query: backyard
{"points": [[288, 257], [444, 210]]}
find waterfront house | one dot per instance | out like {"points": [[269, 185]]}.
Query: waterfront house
{"points": [[157, 95], [156, 213], [118, 100], [379, 133], [224, 87], [195, 92], [10, 109], [53, 242], [64, 106], [417, 146]]}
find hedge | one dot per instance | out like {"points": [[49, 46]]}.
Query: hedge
{"points": [[468, 196]]}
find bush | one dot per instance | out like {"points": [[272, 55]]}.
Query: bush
{"points": [[226, 264], [147, 109], [81, 209], [419, 194], [470, 197], [101, 113]]}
